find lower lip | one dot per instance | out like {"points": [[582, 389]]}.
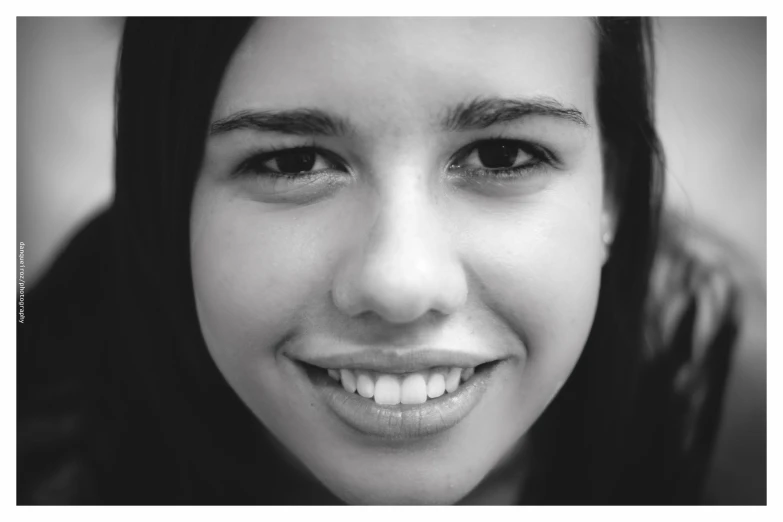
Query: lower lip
{"points": [[402, 421]]}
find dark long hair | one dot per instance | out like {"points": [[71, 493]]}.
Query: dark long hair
{"points": [[116, 381], [592, 427]]}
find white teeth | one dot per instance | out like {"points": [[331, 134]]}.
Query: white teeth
{"points": [[413, 390], [436, 385], [452, 379], [348, 380], [364, 385], [391, 389], [387, 390]]}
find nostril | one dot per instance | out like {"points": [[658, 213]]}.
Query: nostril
{"points": [[394, 306], [401, 313], [399, 283]]}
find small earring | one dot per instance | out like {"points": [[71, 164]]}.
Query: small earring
{"points": [[606, 238]]}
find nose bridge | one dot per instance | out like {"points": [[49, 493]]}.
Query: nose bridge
{"points": [[404, 264], [406, 239]]}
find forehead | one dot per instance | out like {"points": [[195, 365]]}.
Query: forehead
{"points": [[390, 69]]}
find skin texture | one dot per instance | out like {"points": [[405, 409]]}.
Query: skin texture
{"points": [[394, 248]]}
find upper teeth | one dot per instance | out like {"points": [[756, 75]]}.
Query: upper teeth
{"points": [[412, 388]]}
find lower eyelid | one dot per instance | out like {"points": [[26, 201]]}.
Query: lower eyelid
{"points": [[521, 172], [298, 176], [511, 172], [306, 186]]}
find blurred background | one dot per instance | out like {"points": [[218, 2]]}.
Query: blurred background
{"points": [[711, 112]]}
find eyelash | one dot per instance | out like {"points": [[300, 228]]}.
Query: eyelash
{"points": [[542, 158], [254, 165]]}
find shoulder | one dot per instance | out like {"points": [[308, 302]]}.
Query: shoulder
{"points": [[707, 322]]}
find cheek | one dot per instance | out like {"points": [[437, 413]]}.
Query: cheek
{"points": [[253, 276], [540, 269]]}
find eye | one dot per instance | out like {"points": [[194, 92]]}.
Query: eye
{"points": [[291, 163], [499, 157]]}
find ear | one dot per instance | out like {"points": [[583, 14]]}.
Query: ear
{"points": [[608, 226], [609, 208]]}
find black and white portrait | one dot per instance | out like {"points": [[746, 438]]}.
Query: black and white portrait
{"points": [[391, 260]]}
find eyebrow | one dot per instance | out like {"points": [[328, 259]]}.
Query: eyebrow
{"points": [[478, 113], [300, 122], [481, 113]]}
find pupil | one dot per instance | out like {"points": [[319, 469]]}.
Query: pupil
{"points": [[497, 155], [296, 161]]}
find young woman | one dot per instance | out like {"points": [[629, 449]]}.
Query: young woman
{"points": [[377, 261]]}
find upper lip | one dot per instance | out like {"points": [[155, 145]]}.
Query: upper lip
{"points": [[393, 359]]}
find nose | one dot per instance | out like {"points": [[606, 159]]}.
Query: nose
{"points": [[403, 265]]}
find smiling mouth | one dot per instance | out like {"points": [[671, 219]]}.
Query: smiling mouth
{"points": [[390, 389], [394, 406]]}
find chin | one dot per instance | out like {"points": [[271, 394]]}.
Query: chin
{"points": [[411, 488]]}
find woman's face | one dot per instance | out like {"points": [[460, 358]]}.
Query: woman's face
{"points": [[412, 207]]}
